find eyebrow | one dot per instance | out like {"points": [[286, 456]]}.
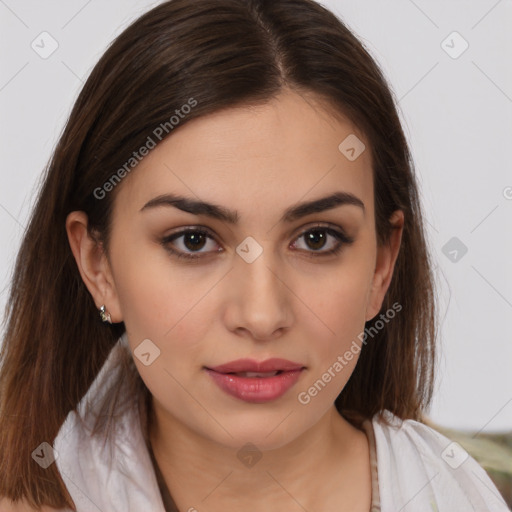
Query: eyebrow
{"points": [[221, 213]]}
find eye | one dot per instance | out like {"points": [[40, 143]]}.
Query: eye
{"points": [[317, 238], [193, 239], [192, 242]]}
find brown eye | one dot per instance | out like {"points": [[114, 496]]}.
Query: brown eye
{"points": [[317, 238], [187, 242], [194, 241]]}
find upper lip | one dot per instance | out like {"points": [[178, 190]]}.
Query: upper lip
{"points": [[250, 365]]}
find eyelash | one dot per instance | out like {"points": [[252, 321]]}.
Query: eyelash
{"points": [[342, 238]]}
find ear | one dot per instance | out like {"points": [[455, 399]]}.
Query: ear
{"points": [[93, 264], [384, 266]]}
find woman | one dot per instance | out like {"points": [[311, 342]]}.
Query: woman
{"points": [[224, 300]]}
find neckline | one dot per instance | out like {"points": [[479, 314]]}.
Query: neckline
{"points": [[367, 427]]}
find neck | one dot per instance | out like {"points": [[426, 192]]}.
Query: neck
{"points": [[203, 474]]}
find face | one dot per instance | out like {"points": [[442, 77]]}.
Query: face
{"points": [[259, 282]]}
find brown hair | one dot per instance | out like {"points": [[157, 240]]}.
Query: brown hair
{"points": [[222, 53]]}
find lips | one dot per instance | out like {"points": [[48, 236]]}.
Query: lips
{"points": [[260, 375], [250, 365], [256, 382]]}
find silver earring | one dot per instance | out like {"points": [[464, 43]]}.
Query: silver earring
{"points": [[105, 315]]}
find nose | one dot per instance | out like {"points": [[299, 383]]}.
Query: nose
{"points": [[259, 304]]}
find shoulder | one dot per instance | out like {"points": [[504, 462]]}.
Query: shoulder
{"points": [[420, 469], [117, 456]]}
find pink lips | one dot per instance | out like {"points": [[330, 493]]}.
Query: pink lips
{"points": [[237, 378]]}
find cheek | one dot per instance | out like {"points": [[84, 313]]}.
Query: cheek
{"points": [[340, 302], [341, 298], [343, 303], [337, 350], [171, 310], [158, 298]]}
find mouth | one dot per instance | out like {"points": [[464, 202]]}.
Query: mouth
{"points": [[256, 382], [260, 375]]}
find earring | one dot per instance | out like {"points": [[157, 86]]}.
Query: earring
{"points": [[105, 315]]}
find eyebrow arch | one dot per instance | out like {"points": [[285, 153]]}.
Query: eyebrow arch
{"points": [[293, 213]]}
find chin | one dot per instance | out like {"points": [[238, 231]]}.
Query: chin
{"points": [[265, 431]]}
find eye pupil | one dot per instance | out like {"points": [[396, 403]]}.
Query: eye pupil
{"points": [[195, 239], [316, 237]]}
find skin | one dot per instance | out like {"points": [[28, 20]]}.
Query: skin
{"points": [[290, 302]]}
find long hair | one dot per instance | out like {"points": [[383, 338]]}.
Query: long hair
{"points": [[221, 53]]}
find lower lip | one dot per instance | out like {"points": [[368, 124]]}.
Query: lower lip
{"points": [[256, 389]]}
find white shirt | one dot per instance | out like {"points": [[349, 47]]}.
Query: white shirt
{"points": [[419, 470]]}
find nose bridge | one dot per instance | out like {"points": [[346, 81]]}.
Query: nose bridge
{"points": [[257, 276], [260, 296]]}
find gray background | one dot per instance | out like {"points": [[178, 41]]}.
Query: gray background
{"points": [[457, 113]]}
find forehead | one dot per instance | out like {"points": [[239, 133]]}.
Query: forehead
{"points": [[277, 153]]}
